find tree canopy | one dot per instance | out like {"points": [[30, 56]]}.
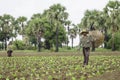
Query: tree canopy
{"points": [[53, 26]]}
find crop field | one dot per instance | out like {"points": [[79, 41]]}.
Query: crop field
{"points": [[57, 66]]}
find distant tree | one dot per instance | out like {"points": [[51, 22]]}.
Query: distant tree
{"points": [[67, 23], [73, 35], [6, 28], [22, 22], [113, 10], [57, 16], [36, 27]]}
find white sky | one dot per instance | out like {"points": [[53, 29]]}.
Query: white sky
{"points": [[27, 8]]}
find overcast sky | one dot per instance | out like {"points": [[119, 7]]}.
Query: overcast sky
{"points": [[27, 8]]}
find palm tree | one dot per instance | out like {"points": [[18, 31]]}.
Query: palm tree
{"points": [[79, 26], [91, 17], [67, 23], [57, 17], [36, 26], [104, 24], [7, 28], [15, 29], [73, 35], [113, 12], [1, 31], [22, 21]]}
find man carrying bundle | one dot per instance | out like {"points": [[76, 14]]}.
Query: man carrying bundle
{"points": [[86, 43]]}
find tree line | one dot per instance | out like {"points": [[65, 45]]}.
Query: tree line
{"points": [[53, 26]]}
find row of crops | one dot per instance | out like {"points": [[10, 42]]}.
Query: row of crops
{"points": [[55, 67]]}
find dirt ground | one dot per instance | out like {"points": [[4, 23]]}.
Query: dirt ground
{"points": [[108, 76]]}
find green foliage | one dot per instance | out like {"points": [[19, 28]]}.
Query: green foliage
{"points": [[30, 47], [1, 46], [32, 40], [44, 25], [21, 24], [6, 28], [116, 40], [109, 44], [55, 67], [18, 45], [102, 50], [56, 18], [108, 41]]}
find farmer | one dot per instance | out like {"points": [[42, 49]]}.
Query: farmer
{"points": [[85, 42], [9, 49], [9, 53]]}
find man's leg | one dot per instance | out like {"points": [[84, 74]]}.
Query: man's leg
{"points": [[87, 50], [84, 54]]}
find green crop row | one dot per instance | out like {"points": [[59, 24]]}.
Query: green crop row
{"points": [[55, 67]]}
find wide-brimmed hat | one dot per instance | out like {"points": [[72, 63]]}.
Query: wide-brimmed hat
{"points": [[84, 31]]}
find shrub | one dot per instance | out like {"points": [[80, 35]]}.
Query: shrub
{"points": [[19, 45], [30, 47], [117, 41]]}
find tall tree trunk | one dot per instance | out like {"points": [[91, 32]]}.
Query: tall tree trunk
{"points": [[67, 36], [2, 45], [39, 43], [105, 44], [113, 46], [47, 44], [106, 38], [93, 42], [114, 29], [35, 46], [113, 43], [5, 44], [67, 41], [57, 44], [23, 32], [72, 42]]}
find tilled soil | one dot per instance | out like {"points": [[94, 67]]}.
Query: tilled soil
{"points": [[108, 76]]}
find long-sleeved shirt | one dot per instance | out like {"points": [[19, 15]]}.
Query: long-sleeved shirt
{"points": [[85, 41]]}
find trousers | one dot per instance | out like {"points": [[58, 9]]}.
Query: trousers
{"points": [[86, 52]]}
